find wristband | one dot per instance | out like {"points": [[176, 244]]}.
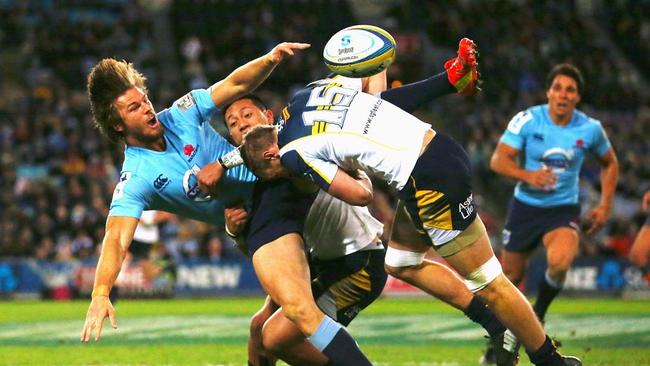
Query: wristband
{"points": [[231, 159], [230, 234]]}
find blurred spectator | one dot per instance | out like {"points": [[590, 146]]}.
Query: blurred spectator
{"points": [[57, 175]]}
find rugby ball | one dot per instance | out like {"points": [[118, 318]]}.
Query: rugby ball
{"points": [[359, 51]]}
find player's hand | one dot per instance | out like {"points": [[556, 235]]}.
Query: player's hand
{"points": [[646, 201], [542, 179], [100, 308], [597, 218], [208, 177], [236, 219], [284, 49]]}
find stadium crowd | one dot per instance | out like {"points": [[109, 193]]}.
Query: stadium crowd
{"points": [[57, 175]]}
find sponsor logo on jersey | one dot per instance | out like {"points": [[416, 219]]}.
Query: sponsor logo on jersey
{"points": [[538, 136], [580, 143], [558, 159], [466, 208], [186, 102], [190, 151], [191, 185], [371, 116], [161, 182]]}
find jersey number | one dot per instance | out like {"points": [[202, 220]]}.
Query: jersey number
{"points": [[331, 102]]}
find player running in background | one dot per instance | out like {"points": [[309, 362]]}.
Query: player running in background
{"points": [[331, 130], [555, 139], [640, 252], [163, 153]]}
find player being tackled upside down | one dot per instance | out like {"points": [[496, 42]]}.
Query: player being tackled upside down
{"points": [[332, 130]]}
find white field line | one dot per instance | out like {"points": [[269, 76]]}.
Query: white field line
{"points": [[404, 328]]}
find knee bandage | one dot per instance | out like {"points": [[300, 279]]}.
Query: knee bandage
{"points": [[485, 274], [402, 258]]}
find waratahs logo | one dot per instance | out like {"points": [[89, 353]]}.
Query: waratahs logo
{"points": [[558, 159], [191, 185]]}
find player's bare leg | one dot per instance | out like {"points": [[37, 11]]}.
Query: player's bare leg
{"points": [[285, 341], [505, 300], [640, 252], [257, 355], [514, 265], [283, 272]]}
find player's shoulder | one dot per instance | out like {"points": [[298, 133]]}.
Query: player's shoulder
{"points": [[526, 119], [142, 165], [582, 118]]}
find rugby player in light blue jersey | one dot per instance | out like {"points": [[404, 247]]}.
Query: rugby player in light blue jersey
{"points": [[163, 153], [555, 139]]}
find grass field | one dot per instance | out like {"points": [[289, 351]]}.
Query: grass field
{"points": [[413, 332]]}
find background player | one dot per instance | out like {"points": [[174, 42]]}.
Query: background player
{"points": [[555, 139]]}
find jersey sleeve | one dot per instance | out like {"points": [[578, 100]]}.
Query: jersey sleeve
{"points": [[515, 134], [320, 171], [601, 143], [130, 197], [278, 209], [196, 106]]}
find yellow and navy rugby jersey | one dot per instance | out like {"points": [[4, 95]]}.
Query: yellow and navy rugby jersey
{"points": [[331, 124]]}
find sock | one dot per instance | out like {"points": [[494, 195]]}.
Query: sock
{"points": [[546, 355], [478, 312], [548, 290], [411, 96], [335, 343]]}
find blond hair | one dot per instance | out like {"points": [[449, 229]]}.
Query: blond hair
{"points": [[109, 79]]}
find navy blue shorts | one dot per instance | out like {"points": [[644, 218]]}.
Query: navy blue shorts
{"points": [[526, 224], [279, 208], [438, 195]]}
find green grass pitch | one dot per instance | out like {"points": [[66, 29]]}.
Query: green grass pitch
{"points": [[413, 332]]}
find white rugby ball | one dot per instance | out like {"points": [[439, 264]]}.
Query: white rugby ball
{"points": [[359, 51]]}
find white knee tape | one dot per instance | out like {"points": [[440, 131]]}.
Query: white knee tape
{"points": [[402, 258], [485, 274]]}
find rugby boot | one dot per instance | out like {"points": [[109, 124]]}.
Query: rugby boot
{"points": [[571, 361], [496, 354], [507, 352], [462, 70]]}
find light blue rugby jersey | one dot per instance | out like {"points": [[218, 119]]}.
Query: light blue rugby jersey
{"points": [[561, 148], [166, 180]]}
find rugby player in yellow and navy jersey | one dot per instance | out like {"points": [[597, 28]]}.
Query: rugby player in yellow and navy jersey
{"points": [[345, 267], [163, 153], [332, 130]]}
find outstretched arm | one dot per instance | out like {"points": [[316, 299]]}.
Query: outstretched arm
{"points": [[119, 233], [249, 76]]}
